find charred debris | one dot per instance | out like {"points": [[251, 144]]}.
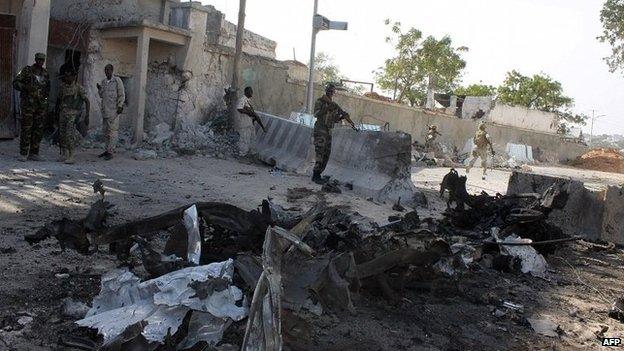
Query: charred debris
{"points": [[189, 274]]}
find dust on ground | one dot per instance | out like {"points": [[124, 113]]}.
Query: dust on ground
{"points": [[461, 313]]}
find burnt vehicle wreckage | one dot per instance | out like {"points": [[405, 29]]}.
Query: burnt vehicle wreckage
{"points": [[211, 265]]}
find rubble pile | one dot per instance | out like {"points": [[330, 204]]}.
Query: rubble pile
{"points": [[281, 266], [185, 138], [604, 160]]}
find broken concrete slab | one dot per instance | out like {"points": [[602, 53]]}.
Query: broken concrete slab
{"points": [[613, 217], [583, 213]]}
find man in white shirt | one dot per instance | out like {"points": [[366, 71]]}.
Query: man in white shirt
{"points": [[113, 97], [243, 124]]}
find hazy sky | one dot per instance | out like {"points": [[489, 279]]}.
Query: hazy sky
{"points": [[557, 37]]}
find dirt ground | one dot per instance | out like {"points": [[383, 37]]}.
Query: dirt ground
{"points": [[464, 312]]}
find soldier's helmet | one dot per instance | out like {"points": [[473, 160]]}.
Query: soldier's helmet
{"points": [[482, 126], [330, 87], [433, 127], [40, 56]]}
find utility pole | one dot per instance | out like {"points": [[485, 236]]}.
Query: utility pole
{"points": [[591, 130], [310, 96], [240, 30], [319, 23]]}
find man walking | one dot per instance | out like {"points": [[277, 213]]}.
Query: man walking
{"points": [[327, 113], [33, 83], [482, 141], [113, 95]]}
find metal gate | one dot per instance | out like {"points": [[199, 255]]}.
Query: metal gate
{"points": [[8, 124]]}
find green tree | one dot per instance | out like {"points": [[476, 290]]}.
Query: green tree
{"points": [[327, 69], [330, 73], [420, 65], [612, 18], [476, 90], [540, 92]]}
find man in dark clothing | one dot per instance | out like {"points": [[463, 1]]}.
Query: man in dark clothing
{"points": [[33, 83], [327, 113]]}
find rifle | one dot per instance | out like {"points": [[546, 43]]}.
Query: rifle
{"points": [[334, 108]]}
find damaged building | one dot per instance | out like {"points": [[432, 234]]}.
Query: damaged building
{"points": [[175, 59]]}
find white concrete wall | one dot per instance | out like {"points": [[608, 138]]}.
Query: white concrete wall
{"points": [[33, 30], [522, 117]]}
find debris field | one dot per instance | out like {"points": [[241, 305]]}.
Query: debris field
{"points": [[489, 272]]}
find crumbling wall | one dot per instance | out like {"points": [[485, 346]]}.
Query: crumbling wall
{"points": [[220, 32], [522, 117], [92, 11], [472, 104], [162, 94]]}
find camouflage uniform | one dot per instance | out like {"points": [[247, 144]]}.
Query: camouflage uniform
{"points": [[34, 87], [71, 98], [327, 114], [482, 141], [431, 142]]}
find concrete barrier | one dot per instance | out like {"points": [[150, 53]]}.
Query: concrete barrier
{"points": [[377, 164], [286, 145], [613, 219], [596, 215]]}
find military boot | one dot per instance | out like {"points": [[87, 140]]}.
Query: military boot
{"points": [[70, 157]]}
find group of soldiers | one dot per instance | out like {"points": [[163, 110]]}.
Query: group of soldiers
{"points": [[328, 113], [33, 83], [482, 145]]}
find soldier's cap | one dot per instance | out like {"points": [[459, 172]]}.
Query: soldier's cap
{"points": [[434, 127], [40, 56], [482, 125], [330, 87]]}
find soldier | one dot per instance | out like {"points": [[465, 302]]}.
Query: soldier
{"points": [[113, 97], [431, 142], [33, 83], [327, 113], [69, 105], [482, 141]]}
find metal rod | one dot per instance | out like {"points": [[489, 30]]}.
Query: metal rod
{"points": [[310, 97]]}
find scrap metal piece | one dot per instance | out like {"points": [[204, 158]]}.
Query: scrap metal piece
{"points": [[264, 326], [251, 224], [191, 222], [204, 327], [155, 309]]}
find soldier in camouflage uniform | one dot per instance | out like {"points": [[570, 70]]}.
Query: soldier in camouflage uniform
{"points": [[327, 114], [33, 83], [482, 141], [69, 105]]}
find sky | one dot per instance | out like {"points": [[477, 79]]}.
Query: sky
{"points": [[556, 37]]}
